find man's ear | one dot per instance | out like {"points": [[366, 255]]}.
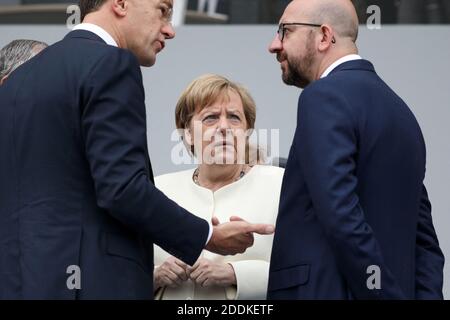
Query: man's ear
{"points": [[327, 38], [119, 7], [2, 80]]}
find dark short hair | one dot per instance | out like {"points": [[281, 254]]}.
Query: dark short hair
{"points": [[88, 6]]}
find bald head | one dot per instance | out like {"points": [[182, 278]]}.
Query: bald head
{"points": [[338, 14], [312, 35]]}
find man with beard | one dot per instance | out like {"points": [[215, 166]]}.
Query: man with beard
{"points": [[354, 218]]}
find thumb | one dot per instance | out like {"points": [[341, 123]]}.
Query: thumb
{"points": [[261, 228], [236, 218], [215, 221]]}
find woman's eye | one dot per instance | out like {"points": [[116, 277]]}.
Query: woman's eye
{"points": [[235, 117], [209, 118]]}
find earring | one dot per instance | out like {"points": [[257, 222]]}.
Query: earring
{"points": [[333, 40]]}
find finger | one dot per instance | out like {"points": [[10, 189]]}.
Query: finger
{"points": [[167, 282], [173, 284], [163, 280], [196, 273], [260, 228], [245, 242], [244, 238], [215, 221], [201, 278], [183, 271], [179, 271], [188, 272], [172, 276], [174, 267], [236, 218], [181, 263], [196, 265]]}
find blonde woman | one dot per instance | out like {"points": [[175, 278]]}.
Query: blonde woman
{"points": [[214, 116]]}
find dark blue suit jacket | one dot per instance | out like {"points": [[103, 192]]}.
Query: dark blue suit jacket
{"points": [[353, 197], [76, 183]]}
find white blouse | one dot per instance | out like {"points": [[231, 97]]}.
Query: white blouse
{"points": [[255, 198]]}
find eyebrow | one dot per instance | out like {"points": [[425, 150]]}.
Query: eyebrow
{"points": [[206, 111], [236, 110], [215, 111]]}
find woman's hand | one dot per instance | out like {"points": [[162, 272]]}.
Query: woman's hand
{"points": [[207, 273], [171, 273]]}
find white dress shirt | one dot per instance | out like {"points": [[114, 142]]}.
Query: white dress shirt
{"points": [[338, 62], [99, 31]]}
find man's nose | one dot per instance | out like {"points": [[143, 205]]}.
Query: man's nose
{"points": [[168, 31], [276, 45]]}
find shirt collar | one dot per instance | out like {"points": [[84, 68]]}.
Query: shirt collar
{"points": [[98, 31], [346, 58]]}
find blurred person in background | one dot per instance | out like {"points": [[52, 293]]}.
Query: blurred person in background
{"points": [[16, 53]]}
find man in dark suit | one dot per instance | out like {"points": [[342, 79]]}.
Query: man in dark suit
{"points": [[78, 209], [354, 219]]}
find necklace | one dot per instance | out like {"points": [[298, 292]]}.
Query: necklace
{"points": [[241, 174]]}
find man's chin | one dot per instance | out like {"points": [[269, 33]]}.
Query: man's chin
{"points": [[287, 79], [291, 80], [147, 61]]}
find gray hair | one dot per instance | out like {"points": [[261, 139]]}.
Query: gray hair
{"points": [[16, 53]]}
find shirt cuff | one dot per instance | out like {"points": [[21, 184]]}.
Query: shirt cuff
{"points": [[209, 233]]}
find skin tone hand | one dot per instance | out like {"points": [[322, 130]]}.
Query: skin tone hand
{"points": [[235, 236], [207, 273], [172, 273]]}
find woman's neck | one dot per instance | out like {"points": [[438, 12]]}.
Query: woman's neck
{"points": [[214, 177]]}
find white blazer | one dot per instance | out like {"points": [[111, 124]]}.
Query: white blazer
{"points": [[255, 198]]}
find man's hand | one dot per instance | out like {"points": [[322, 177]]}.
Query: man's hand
{"points": [[172, 273], [235, 236], [207, 273]]}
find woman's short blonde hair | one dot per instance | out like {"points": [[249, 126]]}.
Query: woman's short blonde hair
{"points": [[204, 91]]}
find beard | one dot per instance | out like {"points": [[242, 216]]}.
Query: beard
{"points": [[298, 69]]}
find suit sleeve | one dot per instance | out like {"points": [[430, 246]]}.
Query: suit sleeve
{"points": [[429, 257], [326, 147], [113, 125]]}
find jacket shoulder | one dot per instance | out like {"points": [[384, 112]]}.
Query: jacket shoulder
{"points": [[169, 180], [270, 172]]}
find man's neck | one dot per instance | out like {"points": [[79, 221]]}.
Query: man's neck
{"points": [[329, 60], [109, 27]]}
